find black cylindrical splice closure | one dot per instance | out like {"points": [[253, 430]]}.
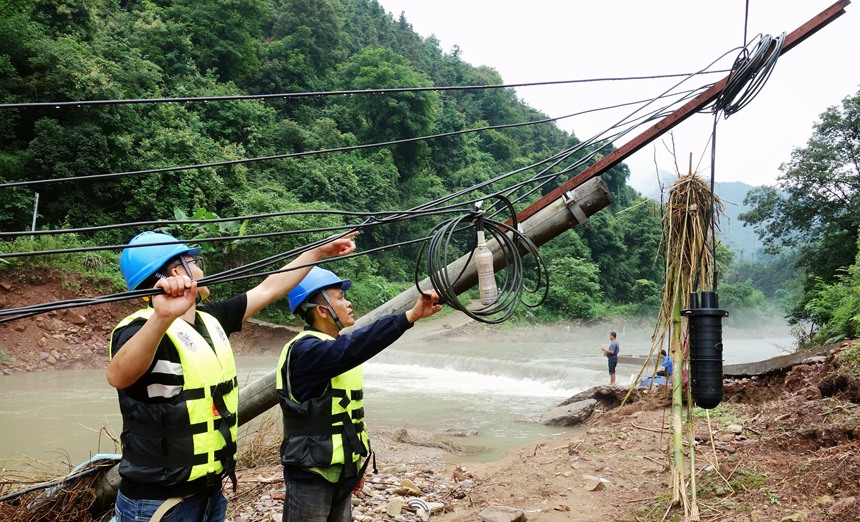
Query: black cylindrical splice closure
{"points": [[706, 349]]}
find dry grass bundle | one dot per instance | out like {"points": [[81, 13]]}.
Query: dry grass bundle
{"points": [[687, 247], [260, 441], [691, 217], [259, 447], [29, 491]]}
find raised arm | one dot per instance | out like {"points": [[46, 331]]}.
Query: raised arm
{"points": [[278, 285]]}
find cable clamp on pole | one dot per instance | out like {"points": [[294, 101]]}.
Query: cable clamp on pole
{"points": [[574, 208]]}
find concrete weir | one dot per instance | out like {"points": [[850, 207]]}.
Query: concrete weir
{"points": [[748, 369]]}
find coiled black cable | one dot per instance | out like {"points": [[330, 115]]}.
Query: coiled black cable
{"points": [[445, 249], [750, 72]]}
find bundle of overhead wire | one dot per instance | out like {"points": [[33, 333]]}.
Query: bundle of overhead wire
{"points": [[750, 72], [450, 252]]}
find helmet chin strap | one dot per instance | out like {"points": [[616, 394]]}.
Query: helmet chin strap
{"points": [[331, 311], [198, 298], [186, 267]]}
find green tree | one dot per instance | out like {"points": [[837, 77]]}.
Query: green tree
{"points": [[768, 273], [317, 24], [625, 246], [816, 203], [835, 308], [161, 39], [224, 33], [394, 116], [741, 296], [574, 291]]}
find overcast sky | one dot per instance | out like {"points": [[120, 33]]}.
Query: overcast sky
{"points": [[547, 40]]}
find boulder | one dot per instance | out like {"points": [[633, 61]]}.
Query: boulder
{"points": [[502, 514], [569, 414], [607, 395]]}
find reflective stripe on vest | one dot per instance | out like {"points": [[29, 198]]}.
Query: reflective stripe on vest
{"points": [[322, 433], [198, 422]]}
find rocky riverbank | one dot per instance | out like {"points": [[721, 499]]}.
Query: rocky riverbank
{"points": [[783, 447]]}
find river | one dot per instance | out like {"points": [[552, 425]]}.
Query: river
{"points": [[486, 383]]}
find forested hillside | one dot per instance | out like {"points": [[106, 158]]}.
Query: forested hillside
{"points": [[178, 133]]}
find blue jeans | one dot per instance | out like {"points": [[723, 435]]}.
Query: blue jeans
{"points": [[316, 500], [200, 507]]}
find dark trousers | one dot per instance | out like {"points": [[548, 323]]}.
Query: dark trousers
{"points": [[316, 500]]}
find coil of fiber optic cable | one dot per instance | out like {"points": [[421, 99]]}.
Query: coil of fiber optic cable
{"points": [[455, 239]]}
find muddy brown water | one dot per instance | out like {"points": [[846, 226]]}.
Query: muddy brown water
{"points": [[486, 385]]}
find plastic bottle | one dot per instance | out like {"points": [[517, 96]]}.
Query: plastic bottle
{"points": [[486, 275]]}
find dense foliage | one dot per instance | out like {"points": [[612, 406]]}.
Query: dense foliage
{"points": [[68, 50], [815, 211]]}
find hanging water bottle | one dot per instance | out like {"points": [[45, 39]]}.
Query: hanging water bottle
{"points": [[486, 274]]}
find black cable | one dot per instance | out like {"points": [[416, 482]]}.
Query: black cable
{"points": [[627, 120], [349, 148], [398, 215], [511, 290], [442, 251], [556, 159], [603, 141], [750, 72], [258, 216], [242, 161], [166, 222], [286, 95], [236, 274]]}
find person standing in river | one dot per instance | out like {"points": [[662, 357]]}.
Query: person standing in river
{"points": [[611, 354], [173, 368]]}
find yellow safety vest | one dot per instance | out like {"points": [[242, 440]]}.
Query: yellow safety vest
{"points": [[183, 433], [323, 433]]}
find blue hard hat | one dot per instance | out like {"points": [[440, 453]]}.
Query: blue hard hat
{"points": [[317, 279], [138, 264]]}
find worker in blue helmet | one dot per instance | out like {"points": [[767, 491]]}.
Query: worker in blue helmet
{"points": [[173, 368], [320, 390]]}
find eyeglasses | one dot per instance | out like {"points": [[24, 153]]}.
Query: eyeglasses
{"points": [[196, 260]]}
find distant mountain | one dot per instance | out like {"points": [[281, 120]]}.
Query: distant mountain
{"points": [[733, 232]]}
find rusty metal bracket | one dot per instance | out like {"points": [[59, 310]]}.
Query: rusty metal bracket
{"points": [[574, 208]]}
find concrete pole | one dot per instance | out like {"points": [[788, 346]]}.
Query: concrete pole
{"points": [[560, 215]]}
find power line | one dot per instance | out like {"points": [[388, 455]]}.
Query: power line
{"points": [[242, 272], [379, 216], [394, 216], [304, 153], [287, 95], [236, 274], [607, 140]]}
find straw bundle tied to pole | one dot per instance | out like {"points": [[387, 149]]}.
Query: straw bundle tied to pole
{"points": [[687, 245]]}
